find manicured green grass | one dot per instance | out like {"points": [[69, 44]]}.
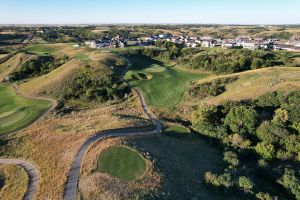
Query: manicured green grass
{"points": [[166, 85], [17, 112], [121, 162], [40, 49], [182, 162]]}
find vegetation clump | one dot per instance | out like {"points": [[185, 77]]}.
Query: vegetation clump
{"points": [[90, 84], [38, 66]]}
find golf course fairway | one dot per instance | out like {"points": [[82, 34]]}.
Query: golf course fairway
{"points": [[17, 112], [121, 162], [160, 82]]}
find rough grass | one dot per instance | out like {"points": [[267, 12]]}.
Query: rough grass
{"points": [[258, 82], [10, 65], [52, 143], [166, 85], [121, 162], [182, 163], [17, 112], [53, 83], [15, 182]]}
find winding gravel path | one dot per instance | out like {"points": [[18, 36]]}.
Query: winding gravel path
{"points": [[71, 187], [33, 172]]}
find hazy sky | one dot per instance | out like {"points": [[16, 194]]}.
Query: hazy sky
{"points": [[150, 11]]}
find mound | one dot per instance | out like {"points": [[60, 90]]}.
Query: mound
{"points": [[13, 63], [52, 83], [254, 83]]}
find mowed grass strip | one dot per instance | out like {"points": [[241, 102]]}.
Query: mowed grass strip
{"points": [[121, 162], [167, 83], [40, 49], [17, 112]]}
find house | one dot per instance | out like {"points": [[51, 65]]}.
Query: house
{"points": [[93, 45], [76, 45], [249, 44], [286, 47], [207, 43], [228, 44]]}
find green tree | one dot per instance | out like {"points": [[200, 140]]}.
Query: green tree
{"points": [[281, 116], [265, 150], [231, 157], [263, 196], [245, 183], [291, 182], [241, 119]]}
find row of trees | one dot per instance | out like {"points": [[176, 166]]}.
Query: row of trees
{"points": [[38, 66], [231, 61], [263, 132]]}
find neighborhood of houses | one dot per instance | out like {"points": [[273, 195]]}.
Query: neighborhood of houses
{"points": [[194, 41]]}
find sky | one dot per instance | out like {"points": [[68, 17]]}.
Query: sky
{"points": [[150, 11]]}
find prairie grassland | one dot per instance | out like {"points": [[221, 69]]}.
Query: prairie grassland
{"points": [[52, 143], [53, 83], [96, 185], [13, 63], [15, 182], [249, 85]]}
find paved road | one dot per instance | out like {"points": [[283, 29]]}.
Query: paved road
{"points": [[33, 172], [71, 187]]}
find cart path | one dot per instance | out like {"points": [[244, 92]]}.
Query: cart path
{"points": [[71, 187], [33, 173]]}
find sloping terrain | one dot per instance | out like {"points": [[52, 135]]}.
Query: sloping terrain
{"points": [[13, 63], [52, 83]]}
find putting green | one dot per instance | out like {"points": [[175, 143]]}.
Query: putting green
{"points": [[166, 85], [121, 162], [17, 112]]}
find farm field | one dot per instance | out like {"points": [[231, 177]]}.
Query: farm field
{"points": [[160, 82], [17, 112], [121, 162]]}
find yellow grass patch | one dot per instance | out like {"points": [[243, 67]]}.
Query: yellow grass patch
{"points": [[15, 182], [53, 82], [13, 63]]}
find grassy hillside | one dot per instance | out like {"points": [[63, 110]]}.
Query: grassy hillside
{"points": [[52, 83], [9, 66], [17, 112], [161, 84]]}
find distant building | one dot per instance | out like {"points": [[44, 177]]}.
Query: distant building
{"points": [[286, 47], [228, 44]]}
